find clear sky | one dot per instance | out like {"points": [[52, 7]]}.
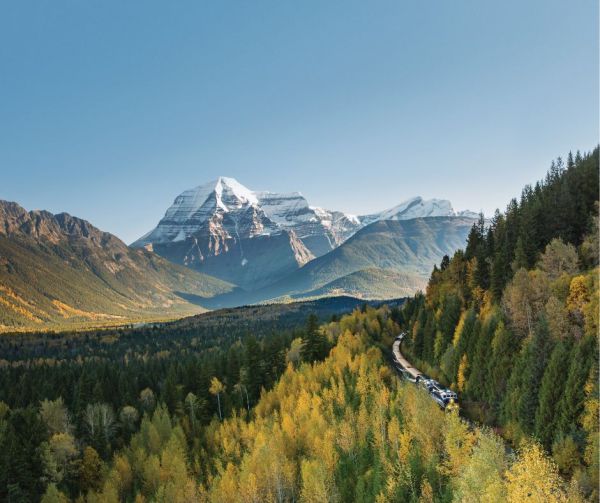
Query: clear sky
{"points": [[109, 109]]}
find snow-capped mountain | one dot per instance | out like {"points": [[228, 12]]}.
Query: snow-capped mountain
{"points": [[221, 227], [413, 208], [320, 230], [228, 230]]}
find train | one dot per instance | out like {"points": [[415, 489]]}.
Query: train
{"points": [[444, 397]]}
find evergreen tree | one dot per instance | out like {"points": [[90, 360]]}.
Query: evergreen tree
{"points": [[583, 357], [314, 345], [505, 346], [551, 391], [533, 372], [252, 368], [478, 361], [418, 334], [449, 316]]}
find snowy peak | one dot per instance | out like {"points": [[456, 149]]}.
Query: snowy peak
{"points": [[220, 193], [206, 206], [230, 190], [225, 209], [417, 207]]}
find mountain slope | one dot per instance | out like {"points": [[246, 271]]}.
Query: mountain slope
{"points": [[59, 269], [370, 283], [254, 239], [408, 246], [250, 262], [221, 229], [383, 260]]}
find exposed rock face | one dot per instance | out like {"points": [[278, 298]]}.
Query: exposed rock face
{"points": [[223, 222], [16, 221], [250, 262]]}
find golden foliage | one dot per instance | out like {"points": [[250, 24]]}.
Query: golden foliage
{"points": [[534, 477]]}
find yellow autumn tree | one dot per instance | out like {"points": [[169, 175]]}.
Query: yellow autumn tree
{"points": [[216, 388], [458, 444], [461, 379], [534, 477]]}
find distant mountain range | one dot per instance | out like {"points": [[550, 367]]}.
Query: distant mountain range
{"points": [[219, 245], [254, 239], [387, 259]]}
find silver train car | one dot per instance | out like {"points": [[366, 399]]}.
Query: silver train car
{"points": [[443, 396]]}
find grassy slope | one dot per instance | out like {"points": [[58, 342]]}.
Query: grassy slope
{"points": [[371, 283], [46, 284]]}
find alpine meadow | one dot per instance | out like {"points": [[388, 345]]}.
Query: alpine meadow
{"points": [[299, 252]]}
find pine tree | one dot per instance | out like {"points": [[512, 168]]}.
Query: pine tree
{"points": [[539, 349], [583, 357], [510, 401], [418, 334], [477, 377], [505, 346], [449, 316], [521, 260], [314, 345], [252, 368], [170, 392], [551, 390]]}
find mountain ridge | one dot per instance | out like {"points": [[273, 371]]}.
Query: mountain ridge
{"points": [[410, 247], [62, 270], [212, 227]]}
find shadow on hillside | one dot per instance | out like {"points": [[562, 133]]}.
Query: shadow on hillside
{"points": [[235, 298]]}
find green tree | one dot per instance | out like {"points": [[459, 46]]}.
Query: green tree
{"points": [[533, 372], [505, 346], [53, 495], [571, 405], [56, 416], [314, 345], [551, 391]]}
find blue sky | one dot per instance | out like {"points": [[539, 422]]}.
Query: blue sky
{"points": [[108, 110]]}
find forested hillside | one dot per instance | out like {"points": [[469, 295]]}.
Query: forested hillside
{"points": [[340, 427], [61, 393], [511, 322]]}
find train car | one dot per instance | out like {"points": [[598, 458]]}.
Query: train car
{"points": [[445, 397]]}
